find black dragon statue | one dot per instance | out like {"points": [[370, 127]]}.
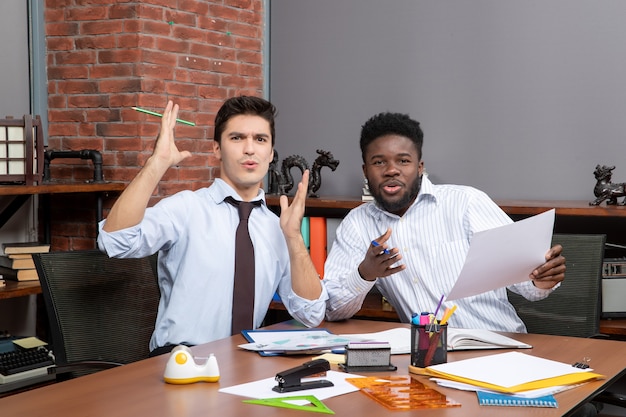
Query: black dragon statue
{"points": [[605, 189], [281, 182]]}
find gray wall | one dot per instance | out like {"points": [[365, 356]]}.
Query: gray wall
{"points": [[520, 99], [14, 65]]}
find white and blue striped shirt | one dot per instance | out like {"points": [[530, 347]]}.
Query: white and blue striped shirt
{"points": [[433, 237]]}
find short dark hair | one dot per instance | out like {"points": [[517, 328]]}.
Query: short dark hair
{"points": [[391, 123], [248, 105]]}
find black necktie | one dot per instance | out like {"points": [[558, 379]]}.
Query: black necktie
{"points": [[243, 292]]}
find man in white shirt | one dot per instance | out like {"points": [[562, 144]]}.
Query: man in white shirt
{"points": [[423, 232], [194, 231]]}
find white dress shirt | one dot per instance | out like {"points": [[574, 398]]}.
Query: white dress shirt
{"points": [[194, 233], [433, 238]]}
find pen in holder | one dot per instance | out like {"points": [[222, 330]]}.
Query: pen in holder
{"points": [[429, 344]]}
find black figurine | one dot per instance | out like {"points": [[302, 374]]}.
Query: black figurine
{"points": [[605, 189], [281, 182]]}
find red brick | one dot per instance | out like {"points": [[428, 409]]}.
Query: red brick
{"points": [[112, 71], [158, 57], [155, 27], [60, 44], [118, 56], [250, 57], [75, 57], [66, 116], [147, 11], [101, 28], [120, 85], [76, 144], [123, 11], [64, 73], [95, 42], [128, 40], [181, 18], [101, 100], [86, 13], [224, 12], [55, 28], [61, 129], [118, 130]]}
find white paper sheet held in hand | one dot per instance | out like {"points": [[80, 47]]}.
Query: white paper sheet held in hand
{"points": [[504, 255]]}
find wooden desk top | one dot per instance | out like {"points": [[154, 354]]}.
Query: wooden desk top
{"points": [[13, 289], [138, 389]]}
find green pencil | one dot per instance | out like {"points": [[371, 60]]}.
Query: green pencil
{"points": [[160, 115]]}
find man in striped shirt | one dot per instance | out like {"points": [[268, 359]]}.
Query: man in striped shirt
{"points": [[423, 231]]}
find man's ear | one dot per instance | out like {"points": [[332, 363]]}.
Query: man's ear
{"points": [[217, 150]]}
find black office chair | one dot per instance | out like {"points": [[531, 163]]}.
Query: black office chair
{"points": [[575, 308], [101, 310]]}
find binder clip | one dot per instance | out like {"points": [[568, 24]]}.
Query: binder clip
{"points": [[183, 368], [584, 364], [291, 379]]}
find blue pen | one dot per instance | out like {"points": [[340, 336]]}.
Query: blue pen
{"points": [[378, 244]]}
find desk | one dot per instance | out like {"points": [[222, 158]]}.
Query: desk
{"points": [[137, 389]]}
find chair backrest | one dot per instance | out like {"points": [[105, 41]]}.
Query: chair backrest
{"points": [[99, 308], [574, 309]]}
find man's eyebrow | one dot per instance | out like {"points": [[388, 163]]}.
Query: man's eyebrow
{"points": [[256, 135], [398, 155]]}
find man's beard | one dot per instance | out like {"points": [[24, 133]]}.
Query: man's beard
{"points": [[401, 204]]}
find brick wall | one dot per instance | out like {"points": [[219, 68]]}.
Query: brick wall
{"points": [[105, 56]]}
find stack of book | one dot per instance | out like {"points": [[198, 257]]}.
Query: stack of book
{"points": [[17, 263]]}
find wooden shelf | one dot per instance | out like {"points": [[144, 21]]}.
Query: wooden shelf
{"points": [[511, 207], [563, 208], [60, 188], [14, 289]]}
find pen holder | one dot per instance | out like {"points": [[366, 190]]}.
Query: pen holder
{"points": [[429, 344]]}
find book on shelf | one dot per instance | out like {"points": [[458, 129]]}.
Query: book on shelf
{"points": [[317, 241], [25, 247], [472, 339], [17, 263], [332, 223], [305, 230], [10, 274]]}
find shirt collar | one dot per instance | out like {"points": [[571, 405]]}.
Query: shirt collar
{"points": [[220, 190]]}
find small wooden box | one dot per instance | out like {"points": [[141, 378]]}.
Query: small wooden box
{"points": [[21, 150]]}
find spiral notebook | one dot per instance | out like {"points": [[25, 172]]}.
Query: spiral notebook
{"points": [[492, 398]]}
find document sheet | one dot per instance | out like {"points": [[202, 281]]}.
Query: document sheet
{"points": [[504, 255]]}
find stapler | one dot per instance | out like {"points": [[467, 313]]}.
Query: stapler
{"points": [[291, 379], [183, 368]]}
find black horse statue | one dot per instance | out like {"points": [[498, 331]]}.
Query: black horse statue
{"points": [[281, 182], [605, 189]]}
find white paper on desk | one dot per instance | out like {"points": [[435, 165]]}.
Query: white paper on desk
{"points": [[507, 369], [504, 255], [263, 388]]}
